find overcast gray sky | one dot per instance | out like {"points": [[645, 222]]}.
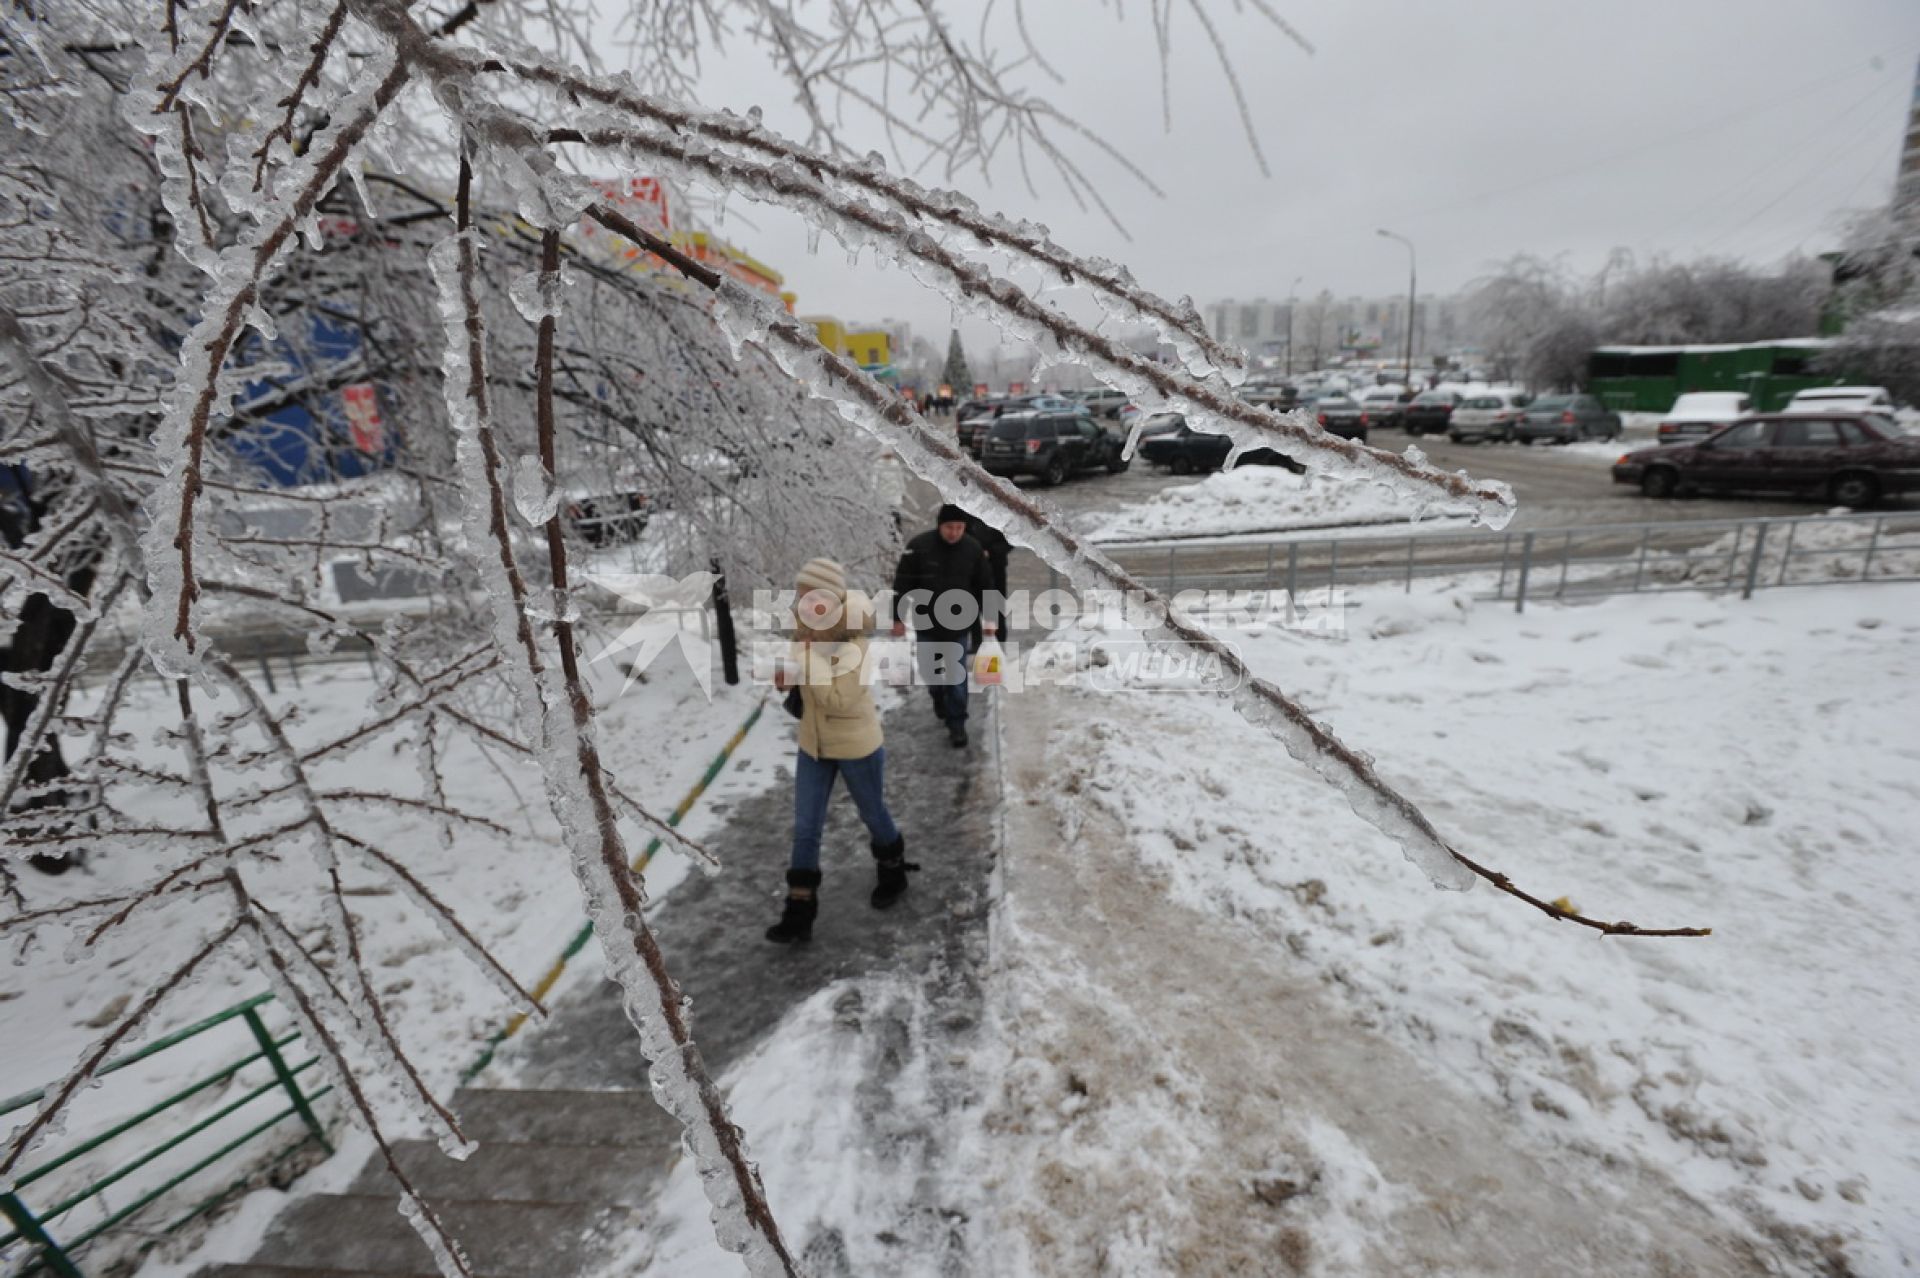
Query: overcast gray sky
{"points": [[1477, 128]]}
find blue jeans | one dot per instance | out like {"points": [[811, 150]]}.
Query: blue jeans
{"points": [[941, 660], [813, 785]]}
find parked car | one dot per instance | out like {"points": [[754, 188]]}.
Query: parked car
{"points": [[1849, 459], [1386, 407], [1701, 413], [1490, 416], [608, 519], [1430, 412], [1564, 419], [972, 430], [1341, 415], [973, 411], [1161, 424], [1842, 399], [1268, 392], [1104, 402], [1186, 451], [1052, 444]]}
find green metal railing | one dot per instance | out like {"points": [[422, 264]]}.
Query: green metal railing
{"points": [[37, 1228]]}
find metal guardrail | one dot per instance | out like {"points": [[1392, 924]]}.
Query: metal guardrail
{"points": [[35, 1229], [1557, 563]]}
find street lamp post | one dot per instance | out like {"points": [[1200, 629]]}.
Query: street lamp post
{"points": [[1412, 294], [1292, 289]]}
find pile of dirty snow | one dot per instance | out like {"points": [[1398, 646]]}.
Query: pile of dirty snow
{"points": [[1255, 499]]}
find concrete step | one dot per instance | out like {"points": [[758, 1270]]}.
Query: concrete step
{"points": [[365, 1234], [622, 1175], [564, 1118]]}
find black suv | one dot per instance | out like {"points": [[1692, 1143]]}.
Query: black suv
{"points": [[1051, 444], [974, 420]]}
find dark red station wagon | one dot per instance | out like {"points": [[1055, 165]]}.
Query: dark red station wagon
{"points": [[1849, 459]]}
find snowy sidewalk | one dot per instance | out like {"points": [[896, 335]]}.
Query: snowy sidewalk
{"points": [[575, 1152], [1180, 1097], [710, 929]]}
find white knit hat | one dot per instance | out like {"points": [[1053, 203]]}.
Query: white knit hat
{"points": [[822, 574]]}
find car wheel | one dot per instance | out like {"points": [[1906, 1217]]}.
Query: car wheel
{"points": [[1854, 489], [1659, 481], [1117, 464], [1056, 472], [1506, 436], [1181, 466]]}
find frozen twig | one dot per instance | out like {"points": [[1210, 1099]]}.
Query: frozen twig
{"points": [[55, 1103], [934, 456]]}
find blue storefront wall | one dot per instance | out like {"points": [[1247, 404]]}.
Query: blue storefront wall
{"points": [[336, 431]]}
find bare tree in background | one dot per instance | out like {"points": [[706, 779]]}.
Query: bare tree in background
{"points": [[1539, 322], [451, 147], [1878, 298]]}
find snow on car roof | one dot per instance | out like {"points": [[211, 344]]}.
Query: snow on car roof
{"points": [[1707, 406]]}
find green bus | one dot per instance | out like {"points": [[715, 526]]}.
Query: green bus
{"points": [[1647, 379]]}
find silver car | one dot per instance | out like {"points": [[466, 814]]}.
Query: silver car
{"points": [[1488, 416]]}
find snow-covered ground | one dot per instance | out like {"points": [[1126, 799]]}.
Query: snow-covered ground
{"points": [[1227, 1025], [1258, 499], [1680, 760], [1232, 1030], [515, 892]]}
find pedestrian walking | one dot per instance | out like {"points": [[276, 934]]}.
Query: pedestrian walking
{"points": [[940, 591], [998, 549], [839, 738]]}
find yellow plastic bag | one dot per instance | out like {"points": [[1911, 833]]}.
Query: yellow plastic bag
{"points": [[989, 664]]}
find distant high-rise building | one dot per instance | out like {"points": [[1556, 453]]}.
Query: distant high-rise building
{"points": [[1906, 191]]}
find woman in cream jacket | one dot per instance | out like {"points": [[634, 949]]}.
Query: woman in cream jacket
{"points": [[840, 737]]}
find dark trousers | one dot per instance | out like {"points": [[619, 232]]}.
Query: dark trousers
{"points": [[940, 658]]}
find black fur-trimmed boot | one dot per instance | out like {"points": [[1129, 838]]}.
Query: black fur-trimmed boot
{"points": [[796, 920], [890, 860]]}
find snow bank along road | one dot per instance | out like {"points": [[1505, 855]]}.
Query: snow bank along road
{"points": [[1557, 487], [829, 1049]]}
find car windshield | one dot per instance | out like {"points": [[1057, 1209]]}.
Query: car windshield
{"points": [[1483, 401], [1336, 401], [1012, 426], [1552, 404], [1435, 397]]}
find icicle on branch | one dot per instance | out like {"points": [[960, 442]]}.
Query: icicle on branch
{"points": [[1179, 324], [556, 703], [46, 1118], [933, 456], [446, 1252], [169, 544], [364, 1002]]}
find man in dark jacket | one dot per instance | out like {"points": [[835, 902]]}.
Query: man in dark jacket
{"points": [[940, 588], [998, 549]]}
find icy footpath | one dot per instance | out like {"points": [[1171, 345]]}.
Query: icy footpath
{"points": [[1181, 1094]]}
